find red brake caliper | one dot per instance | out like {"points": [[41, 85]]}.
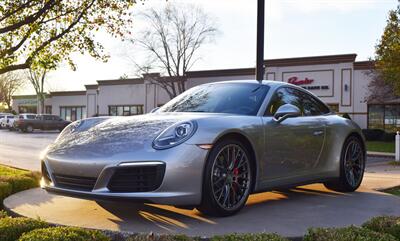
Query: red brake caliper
{"points": [[236, 173]]}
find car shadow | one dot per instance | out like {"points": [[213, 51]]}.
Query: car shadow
{"points": [[297, 208], [289, 212]]}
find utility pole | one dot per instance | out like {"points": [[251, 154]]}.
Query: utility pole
{"points": [[260, 40]]}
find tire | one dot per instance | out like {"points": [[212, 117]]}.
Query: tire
{"points": [[235, 175], [352, 166], [29, 129]]}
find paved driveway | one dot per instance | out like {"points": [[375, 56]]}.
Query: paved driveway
{"points": [[23, 149]]}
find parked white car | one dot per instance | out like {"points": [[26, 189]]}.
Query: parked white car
{"points": [[4, 117], [7, 121]]}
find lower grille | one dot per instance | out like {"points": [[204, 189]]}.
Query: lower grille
{"points": [[75, 182], [137, 179]]}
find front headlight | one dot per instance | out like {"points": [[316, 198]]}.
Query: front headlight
{"points": [[175, 135]]}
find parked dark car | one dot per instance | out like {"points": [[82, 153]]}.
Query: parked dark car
{"points": [[29, 122]]}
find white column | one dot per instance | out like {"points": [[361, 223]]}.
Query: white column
{"points": [[398, 146]]}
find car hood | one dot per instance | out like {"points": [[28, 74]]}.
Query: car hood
{"points": [[107, 136]]}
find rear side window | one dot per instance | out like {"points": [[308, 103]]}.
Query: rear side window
{"points": [[308, 105], [30, 117]]}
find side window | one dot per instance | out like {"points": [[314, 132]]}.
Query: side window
{"points": [[284, 96], [308, 105], [312, 106]]}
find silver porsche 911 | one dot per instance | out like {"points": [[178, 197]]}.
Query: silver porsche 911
{"points": [[209, 148]]}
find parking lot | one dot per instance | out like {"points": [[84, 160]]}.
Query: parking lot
{"points": [[22, 150]]}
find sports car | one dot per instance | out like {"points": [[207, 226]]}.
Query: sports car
{"points": [[209, 148]]}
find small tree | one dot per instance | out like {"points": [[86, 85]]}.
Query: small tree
{"points": [[37, 78], [31, 30], [10, 83], [387, 55], [379, 90], [171, 44]]}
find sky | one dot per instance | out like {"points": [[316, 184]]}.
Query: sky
{"points": [[293, 28]]}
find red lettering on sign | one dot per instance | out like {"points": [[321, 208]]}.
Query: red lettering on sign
{"points": [[296, 81]]}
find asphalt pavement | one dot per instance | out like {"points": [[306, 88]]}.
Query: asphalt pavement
{"points": [[23, 150]]}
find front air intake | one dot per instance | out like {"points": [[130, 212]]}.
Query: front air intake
{"points": [[137, 178]]}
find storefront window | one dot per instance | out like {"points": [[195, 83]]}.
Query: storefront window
{"points": [[27, 109], [73, 113], [125, 110], [386, 117], [392, 118]]}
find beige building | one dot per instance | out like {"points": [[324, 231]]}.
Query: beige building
{"points": [[338, 80]]}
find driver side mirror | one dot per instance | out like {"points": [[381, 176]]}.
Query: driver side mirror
{"points": [[286, 111]]}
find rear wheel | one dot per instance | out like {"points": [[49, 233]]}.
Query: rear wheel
{"points": [[227, 180], [352, 165]]}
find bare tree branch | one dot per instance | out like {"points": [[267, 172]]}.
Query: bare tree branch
{"points": [[9, 84], [171, 44]]}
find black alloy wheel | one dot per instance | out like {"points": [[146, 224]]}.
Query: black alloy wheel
{"points": [[228, 179], [352, 166]]}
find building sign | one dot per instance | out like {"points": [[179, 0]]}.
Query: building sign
{"points": [[33, 102], [318, 82]]}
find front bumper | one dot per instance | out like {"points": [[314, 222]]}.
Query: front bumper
{"points": [[180, 185]]}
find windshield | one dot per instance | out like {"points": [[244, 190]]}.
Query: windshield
{"points": [[232, 98]]}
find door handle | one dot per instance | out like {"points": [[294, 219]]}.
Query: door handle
{"points": [[318, 133]]}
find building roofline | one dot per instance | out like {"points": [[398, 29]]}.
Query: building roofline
{"points": [[220, 72], [364, 65], [121, 81], [92, 87], [311, 60], [19, 97], [67, 93]]}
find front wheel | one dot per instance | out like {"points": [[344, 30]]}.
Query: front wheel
{"points": [[227, 180], [352, 165], [29, 129]]}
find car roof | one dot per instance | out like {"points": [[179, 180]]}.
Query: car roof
{"points": [[256, 82]]}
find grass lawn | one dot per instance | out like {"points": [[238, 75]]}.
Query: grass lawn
{"points": [[380, 146], [394, 191]]}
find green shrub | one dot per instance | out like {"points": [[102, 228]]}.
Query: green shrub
{"points": [[64, 234], [15, 180], [3, 214], [20, 183], [12, 228], [351, 233], [385, 224], [249, 237], [152, 237], [5, 191]]}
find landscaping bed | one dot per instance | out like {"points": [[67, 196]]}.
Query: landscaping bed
{"points": [[393, 191], [14, 180]]}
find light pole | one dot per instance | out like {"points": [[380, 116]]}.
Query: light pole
{"points": [[260, 40]]}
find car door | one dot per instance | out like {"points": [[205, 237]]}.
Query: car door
{"points": [[48, 122], [293, 146]]}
